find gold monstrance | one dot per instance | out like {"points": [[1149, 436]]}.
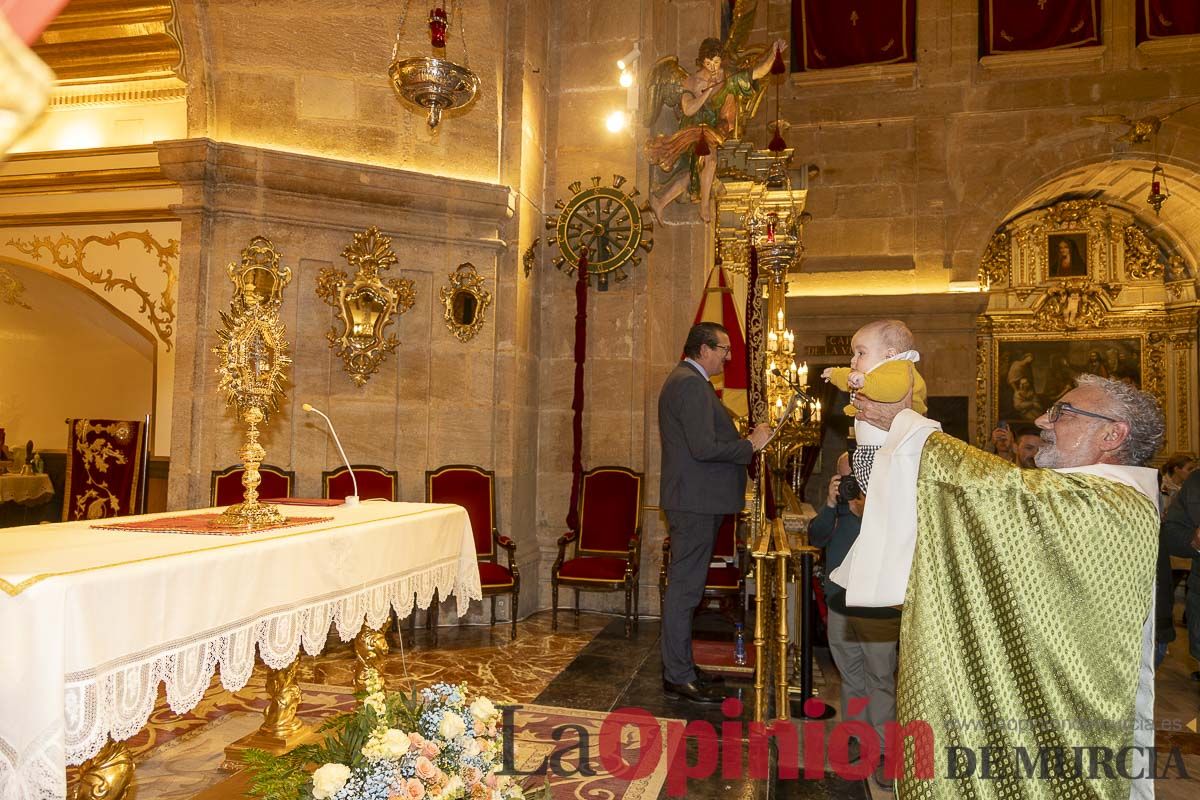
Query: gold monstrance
{"points": [[253, 354]]}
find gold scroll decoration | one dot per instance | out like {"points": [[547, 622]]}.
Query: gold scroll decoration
{"points": [[11, 290], [68, 253], [364, 305]]}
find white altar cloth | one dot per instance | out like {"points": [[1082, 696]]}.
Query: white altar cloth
{"points": [[92, 620]]}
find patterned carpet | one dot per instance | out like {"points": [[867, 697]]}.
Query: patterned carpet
{"points": [[179, 756]]}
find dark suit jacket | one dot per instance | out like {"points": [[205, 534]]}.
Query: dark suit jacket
{"points": [[703, 458]]}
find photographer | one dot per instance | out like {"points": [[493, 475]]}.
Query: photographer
{"points": [[862, 640]]}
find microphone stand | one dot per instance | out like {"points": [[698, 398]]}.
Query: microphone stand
{"points": [[351, 500]]}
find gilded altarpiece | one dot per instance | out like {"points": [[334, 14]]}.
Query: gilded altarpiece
{"points": [[1082, 286]]}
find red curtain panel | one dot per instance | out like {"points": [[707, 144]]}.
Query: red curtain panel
{"points": [[1015, 26], [852, 33], [1161, 19]]}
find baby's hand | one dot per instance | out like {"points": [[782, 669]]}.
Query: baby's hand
{"points": [[856, 380], [827, 373]]}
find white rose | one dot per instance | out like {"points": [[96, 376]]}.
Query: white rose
{"points": [[395, 742], [329, 779], [483, 709], [470, 746], [451, 726]]}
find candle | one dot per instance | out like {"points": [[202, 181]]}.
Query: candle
{"points": [[772, 341], [779, 319]]}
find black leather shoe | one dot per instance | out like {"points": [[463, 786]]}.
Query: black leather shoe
{"points": [[1196, 675], [692, 691], [708, 679]]}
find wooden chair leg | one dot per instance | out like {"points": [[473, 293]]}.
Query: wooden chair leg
{"points": [[637, 604], [629, 609], [553, 604], [493, 623], [576, 605], [512, 613]]}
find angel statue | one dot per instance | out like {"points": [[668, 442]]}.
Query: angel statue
{"points": [[710, 103]]}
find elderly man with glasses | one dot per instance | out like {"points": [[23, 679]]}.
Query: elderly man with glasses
{"points": [[1028, 634], [703, 479]]}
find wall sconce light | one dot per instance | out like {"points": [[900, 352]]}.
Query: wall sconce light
{"points": [[616, 121]]}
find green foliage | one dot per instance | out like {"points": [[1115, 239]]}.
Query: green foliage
{"points": [[282, 777]]}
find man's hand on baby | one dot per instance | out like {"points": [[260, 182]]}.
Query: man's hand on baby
{"points": [[856, 380]]}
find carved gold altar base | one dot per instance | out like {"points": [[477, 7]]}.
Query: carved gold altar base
{"points": [[772, 556], [108, 775], [282, 730]]}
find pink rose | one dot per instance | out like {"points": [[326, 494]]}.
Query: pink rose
{"points": [[472, 775], [416, 740], [414, 789], [431, 750], [491, 781], [425, 769], [480, 729]]}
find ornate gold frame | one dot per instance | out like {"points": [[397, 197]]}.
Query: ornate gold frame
{"points": [[365, 304], [465, 282], [1137, 287]]}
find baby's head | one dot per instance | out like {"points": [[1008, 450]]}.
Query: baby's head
{"points": [[877, 341]]}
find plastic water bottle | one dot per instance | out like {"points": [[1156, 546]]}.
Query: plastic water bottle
{"points": [[739, 647]]}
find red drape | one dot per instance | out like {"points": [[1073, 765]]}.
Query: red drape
{"points": [[104, 468], [851, 33], [581, 290], [1011, 26], [1159, 19]]}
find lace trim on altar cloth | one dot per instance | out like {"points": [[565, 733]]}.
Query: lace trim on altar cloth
{"points": [[116, 700], [41, 776]]}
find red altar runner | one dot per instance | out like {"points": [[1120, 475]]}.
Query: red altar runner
{"points": [[203, 524]]}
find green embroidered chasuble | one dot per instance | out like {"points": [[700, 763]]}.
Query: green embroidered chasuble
{"points": [[1022, 627]]}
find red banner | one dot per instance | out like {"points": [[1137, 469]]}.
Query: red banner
{"points": [[852, 33], [1160, 19], [1014, 26]]}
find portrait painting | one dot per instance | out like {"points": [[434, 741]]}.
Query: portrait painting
{"points": [[1067, 255], [1035, 374]]}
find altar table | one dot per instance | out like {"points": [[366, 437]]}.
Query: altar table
{"points": [[25, 490], [91, 621]]}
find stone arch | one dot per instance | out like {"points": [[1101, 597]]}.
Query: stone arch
{"points": [[1089, 166]]}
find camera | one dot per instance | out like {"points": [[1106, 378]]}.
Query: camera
{"points": [[848, 489]]}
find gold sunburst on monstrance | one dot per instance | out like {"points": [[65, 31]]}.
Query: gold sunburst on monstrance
{"points": [[253, 352]]}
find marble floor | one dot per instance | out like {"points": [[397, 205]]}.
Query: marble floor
{"points": [[587, 665]]}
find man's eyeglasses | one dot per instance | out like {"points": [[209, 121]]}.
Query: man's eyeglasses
{"points": [[1055, 411], [724, 347]]}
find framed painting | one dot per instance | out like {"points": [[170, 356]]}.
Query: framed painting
{"points": [[1066, 255], [1033, 374]]}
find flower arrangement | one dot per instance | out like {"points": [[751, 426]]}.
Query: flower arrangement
{"points": [[435, 744]]}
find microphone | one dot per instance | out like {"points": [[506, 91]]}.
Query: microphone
{"points": [[352, 500]]}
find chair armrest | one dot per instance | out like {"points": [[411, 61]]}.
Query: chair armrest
{"points": [[503, 541], [563, 541], [566, 538]]}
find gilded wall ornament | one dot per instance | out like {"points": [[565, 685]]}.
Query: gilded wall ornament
{"points": [[1072, 306], [604, 223], [365, 305], [1143, 259], [529, 258], [68, 253], [253, 349], [11, 290], [466, 302], [996, 262]]}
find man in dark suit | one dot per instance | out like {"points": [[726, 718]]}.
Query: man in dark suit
{"points": [[703, 479]]}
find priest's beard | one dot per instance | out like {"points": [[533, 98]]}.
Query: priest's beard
{"points": [[1048, 455]]}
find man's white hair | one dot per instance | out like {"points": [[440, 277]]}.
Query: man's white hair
{"points": [[1138, 410]]}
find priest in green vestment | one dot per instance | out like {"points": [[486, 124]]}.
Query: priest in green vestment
{"points": [[1027, 631]]}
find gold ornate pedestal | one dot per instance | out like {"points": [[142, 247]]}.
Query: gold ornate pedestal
{"points": [[281, 730], [108, 775], [370, 646], [250, 513]]}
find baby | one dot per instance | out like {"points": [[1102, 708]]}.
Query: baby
{"points": [[882, 369]]}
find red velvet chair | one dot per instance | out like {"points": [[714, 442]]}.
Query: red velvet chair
{"points": [[474, 488], [608, 543], [374, 483], [724, 584], [274, 482]]}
